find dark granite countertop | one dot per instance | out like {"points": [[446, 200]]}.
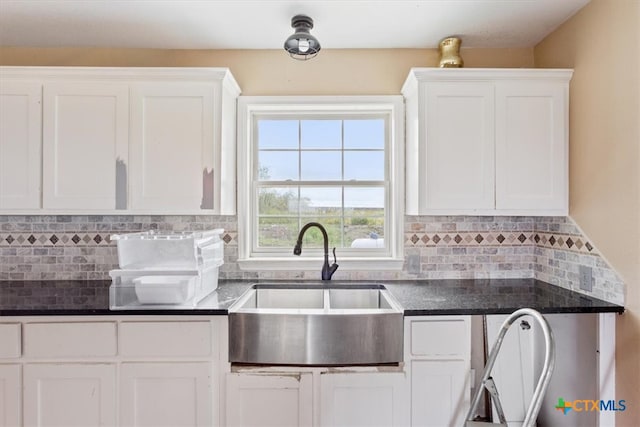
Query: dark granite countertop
{"points": [[417, 297]]}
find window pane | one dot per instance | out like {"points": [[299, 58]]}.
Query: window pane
{"points": [[277, 134], [313, 236], [364, 221], [364, 133], [321, 200], [364, 165], [364, 232], [363, 199], [321, 133], [277, 232], [321, 165], [278, 201], [277, 165]]}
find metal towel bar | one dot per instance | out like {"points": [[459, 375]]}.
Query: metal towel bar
{"points": [[488, 383]]}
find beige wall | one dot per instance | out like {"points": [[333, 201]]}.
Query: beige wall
{"points": [[602, 44], [273, 72]]}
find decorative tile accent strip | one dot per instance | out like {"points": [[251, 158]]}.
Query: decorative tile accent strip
{"points": [[469, 239], [570, 242], [55, 239]]}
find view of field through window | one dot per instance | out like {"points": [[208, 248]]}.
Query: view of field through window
{"points": [[325, 170]]}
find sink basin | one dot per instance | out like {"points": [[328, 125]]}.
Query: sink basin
{"points": [[359, 298], [311, 325], [272, 298]]}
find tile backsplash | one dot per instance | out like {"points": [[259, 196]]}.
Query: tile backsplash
{"points": [[548, 248]]}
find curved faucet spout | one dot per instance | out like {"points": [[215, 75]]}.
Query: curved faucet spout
{"points": [[327, 270]]}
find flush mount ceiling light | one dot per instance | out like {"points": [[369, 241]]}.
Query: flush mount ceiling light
{"points": [[301, 45]]}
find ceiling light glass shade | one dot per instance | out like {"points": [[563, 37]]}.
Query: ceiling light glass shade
{"points": [[301, 45]]}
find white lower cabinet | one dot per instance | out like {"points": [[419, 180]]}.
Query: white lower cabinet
{"points": [[165, 394], [364, 399], [514, 369], [69, 395], [111, 371], [171, 371], [438, 359], [439, 392], [10, 395], [269, 400]]}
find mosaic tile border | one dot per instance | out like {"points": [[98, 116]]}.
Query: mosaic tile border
{"points": [[80, 239], [568, 242], [467, 239]]}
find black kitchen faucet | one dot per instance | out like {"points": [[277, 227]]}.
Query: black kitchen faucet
{"points": [[327, 271]]}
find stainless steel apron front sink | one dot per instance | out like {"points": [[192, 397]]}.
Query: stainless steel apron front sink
{"points": [[322, 325]]}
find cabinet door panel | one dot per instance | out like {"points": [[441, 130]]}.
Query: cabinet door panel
{"points": [[513, 371], [69, 395], [364, 399], [531, 146], [439, 393], [11, 339], [69, 339], [165, 394], [432, 337], [172, 146], [10, 396], [20, 144], [269, 400], [459, 151], [85, 137], [140, 339]]}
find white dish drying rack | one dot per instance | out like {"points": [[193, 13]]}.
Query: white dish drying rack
{"points": [[165, 270]]}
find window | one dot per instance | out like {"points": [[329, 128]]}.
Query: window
{"points": [[332, 160]]}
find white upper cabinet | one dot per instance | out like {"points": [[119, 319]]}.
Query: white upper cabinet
{"points": [[118, 140], [20, 144], [85, 138], [459, 153], [171, 146], [487, 141], [531, 145]]}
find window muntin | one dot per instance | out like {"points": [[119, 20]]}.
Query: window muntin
{"points": [[329, 168]]}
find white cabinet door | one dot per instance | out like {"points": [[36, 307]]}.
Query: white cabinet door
{"points": [[438, 358], [513, 371], [364, 399], [69, 395], [269, 400], [439, 393], [10, 396], [459, 126], [172, 146], [85, 138], [20, 144], [165, 394], [532, 146]]}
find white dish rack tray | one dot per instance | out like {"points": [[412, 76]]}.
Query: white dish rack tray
{"points": [[165, 270]]}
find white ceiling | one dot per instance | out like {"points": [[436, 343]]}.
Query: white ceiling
{"points": [[255, 24]]}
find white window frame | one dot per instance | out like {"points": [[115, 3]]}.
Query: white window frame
{"points": [[251, 106]]}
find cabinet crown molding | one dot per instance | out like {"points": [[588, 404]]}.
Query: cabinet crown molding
{"points": [[474, 74], [203, 74]]}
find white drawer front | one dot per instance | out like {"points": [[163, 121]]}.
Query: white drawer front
{"points": [[60, 340], [10, 340], [440, 337], [163, 339]]}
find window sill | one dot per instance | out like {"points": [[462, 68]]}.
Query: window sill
{"points": [[310, 264]]}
